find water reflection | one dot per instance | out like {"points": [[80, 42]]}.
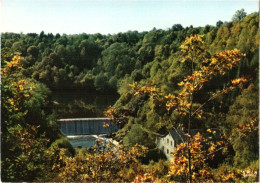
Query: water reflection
{"points": [[81, 104]]}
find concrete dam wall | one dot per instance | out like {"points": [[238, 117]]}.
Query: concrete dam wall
{"points": [[86, 126]]}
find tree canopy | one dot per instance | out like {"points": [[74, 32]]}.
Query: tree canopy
{"points": [[180, 78]]}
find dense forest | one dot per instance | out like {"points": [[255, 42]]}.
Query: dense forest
{"points": [[147, 69]]}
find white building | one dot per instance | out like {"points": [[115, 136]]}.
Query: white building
{"points": [[168, 143]]}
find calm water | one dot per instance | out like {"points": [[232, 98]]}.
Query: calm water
{"points": [[80, 104], [83, 141], [86, 140]]}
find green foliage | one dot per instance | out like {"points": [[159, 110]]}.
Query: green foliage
{"points": [[219, 23], [158, 169], [62, 61], [227, 173], [33, 50], [27, 130], [63, 142], [108, 64], [153, 117], [239, 15], [112, 164], [137, 135], [26, 158], [245, 144]]}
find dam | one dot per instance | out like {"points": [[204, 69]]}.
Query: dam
{"points": [[86, 126], [83, 132]]}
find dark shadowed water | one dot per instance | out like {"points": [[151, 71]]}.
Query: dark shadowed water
{"points": [[80, 104]]}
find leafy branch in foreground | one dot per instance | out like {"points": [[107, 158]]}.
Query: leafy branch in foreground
{"points": [[216, 65]]}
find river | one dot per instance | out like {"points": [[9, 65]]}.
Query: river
{"points": [[80, 104]]}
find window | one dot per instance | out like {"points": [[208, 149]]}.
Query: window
{"points": [[163, 148], [167, 141], [167, 151], [171, 143]]}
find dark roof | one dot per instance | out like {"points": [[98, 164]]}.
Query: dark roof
{"points": [[178, 134]]}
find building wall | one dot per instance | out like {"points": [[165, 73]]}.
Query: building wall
{"points": [[166, 144]]}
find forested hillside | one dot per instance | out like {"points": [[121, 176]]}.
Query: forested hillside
{"points": [[147, 69], [100, 62], [165, 72]]}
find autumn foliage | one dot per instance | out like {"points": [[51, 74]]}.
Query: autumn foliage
{"points": [[110, 164], [29, 151], [201, 150], [189, 158]]}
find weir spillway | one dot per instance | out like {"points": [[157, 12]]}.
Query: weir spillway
{"points": [[86, 126]]}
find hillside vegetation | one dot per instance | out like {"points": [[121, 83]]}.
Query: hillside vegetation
{"points": [[147, 69]]}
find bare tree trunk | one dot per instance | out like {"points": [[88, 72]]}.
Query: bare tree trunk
{"points": [[189, 127], [258, 173]]}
